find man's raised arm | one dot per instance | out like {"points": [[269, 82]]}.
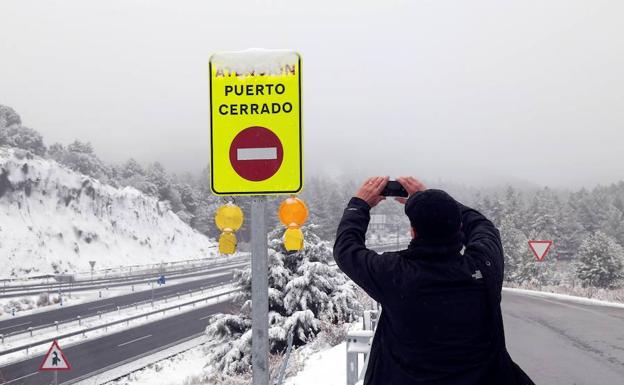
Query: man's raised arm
{"points": [[362, 265]]}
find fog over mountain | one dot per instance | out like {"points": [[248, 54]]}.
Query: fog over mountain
{"points": [[471, 92]]}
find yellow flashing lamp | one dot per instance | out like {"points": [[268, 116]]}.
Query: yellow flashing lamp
{"points": [[229, 218], [293, 212]]}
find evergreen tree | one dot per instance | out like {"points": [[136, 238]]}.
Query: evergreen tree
{"points": [[571, 232], [304, 292], [80, 157], [512, 208], [514, 246], [8, 117], [600, 261], [23, 137]]}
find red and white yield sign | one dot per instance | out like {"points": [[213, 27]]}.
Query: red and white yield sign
{"points": [[256, 153], [540, 248], [54, 359]]}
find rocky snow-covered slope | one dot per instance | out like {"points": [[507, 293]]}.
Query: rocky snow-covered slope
{"points": [[53, 219]]}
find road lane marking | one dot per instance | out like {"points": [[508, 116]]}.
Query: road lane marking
{"points": [[14, 326], [21, 378], [134, 340], [208, 316], [259, 153], [97, 307]]}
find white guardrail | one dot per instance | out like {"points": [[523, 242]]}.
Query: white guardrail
{"points": [[359, 344], [69, 281]]}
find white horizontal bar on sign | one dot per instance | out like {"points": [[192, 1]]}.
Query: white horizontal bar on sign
{"points": [[260, 153]]}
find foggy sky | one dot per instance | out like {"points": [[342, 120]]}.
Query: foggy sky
{"points": [[469, 91]]}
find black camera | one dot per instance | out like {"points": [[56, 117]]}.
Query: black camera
{"points": [[394, 189]]}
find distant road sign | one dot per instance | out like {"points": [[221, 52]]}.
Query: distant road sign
{"points": [[255, 123], [540, 248], [54, 359]]}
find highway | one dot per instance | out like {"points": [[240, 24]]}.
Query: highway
{"points": [[215, 276], [101, 352], [564, 343]]}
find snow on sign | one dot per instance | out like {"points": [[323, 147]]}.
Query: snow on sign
{"points": [[255, 123], [54, 359], [540, 249]]}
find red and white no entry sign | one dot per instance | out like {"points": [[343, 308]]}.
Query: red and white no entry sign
{"points": [[256, 153]]}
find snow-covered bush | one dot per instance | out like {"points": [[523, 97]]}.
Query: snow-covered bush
{"points": [[43, 300], [305, 294], [19, 305], [600, 261]]}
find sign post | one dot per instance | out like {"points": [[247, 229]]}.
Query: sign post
{"points": [[256, 149], [92, 264], [259, 293]]}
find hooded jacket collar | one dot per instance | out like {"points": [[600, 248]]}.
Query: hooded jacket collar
{"points": [[423, 248]]}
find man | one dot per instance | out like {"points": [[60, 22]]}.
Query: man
{"points": [[441, 322]]}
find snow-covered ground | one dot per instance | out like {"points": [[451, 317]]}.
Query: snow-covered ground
{"points": [[179, 369], [324, 367], [565, 297], [53, 219], [327, 367]]}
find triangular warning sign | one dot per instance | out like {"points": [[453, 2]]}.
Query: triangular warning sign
{"points": [[55, 359], [540, 248]]}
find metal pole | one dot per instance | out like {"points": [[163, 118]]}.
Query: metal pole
{"points": [[259, 293], [55, 377]]}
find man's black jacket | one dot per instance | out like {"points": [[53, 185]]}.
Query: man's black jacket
{"points": [[441, 321]]}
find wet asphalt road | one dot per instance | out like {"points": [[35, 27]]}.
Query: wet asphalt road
{"points": [[559, 342]]}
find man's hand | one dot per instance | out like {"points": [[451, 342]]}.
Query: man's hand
{"points": [[411, 185], [371, 189]]}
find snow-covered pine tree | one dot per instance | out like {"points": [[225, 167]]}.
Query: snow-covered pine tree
{"points": [[600, 261], [304, 292], [512, 208], [514, 246], [571, 232]]}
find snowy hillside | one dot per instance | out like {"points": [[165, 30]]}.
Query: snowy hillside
{"points": [[54, 219]]}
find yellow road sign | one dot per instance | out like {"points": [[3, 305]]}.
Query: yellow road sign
{"points": [[255, 116]]}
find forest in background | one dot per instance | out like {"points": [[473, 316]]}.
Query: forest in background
{"points": [[586, 225]]}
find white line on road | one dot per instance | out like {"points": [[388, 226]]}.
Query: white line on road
{"points": [[134, 340], [208, 316], [21, 378], [97, 307], [14, 326], [260, 153]]}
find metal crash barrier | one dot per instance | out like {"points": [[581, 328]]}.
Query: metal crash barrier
{"points": [[359, 343]]}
